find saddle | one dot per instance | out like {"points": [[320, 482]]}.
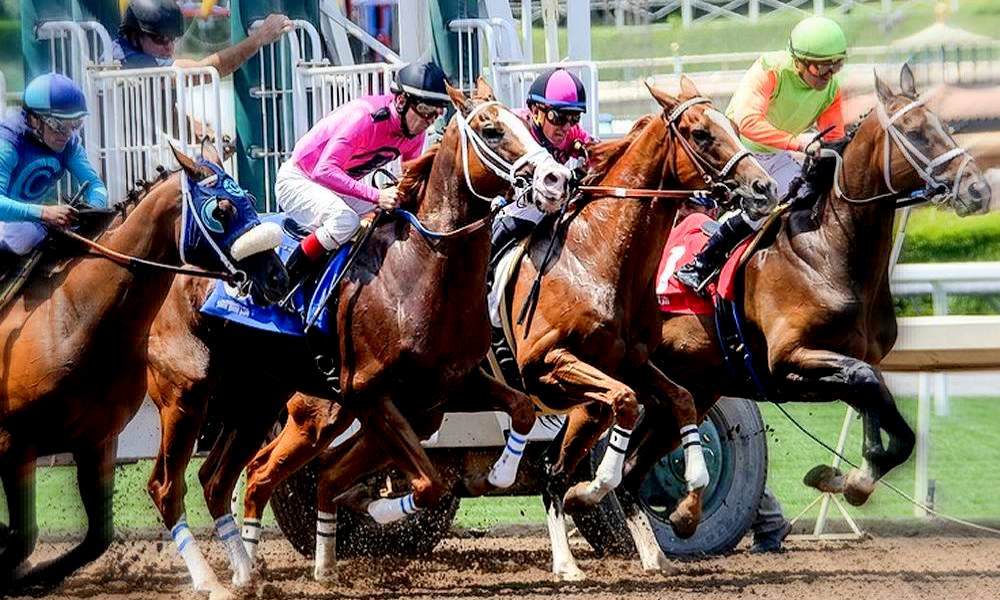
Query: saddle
{"points": [[16, 271]]}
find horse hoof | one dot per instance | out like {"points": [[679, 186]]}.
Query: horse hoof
{"points": [[825, 479], [326, 577], [572, 573], [221, 594], [683, 523], [357, 499], [859, 488], [577, 499], [476, 485]]}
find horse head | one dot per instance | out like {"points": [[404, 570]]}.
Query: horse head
{"points": [[220, 228], [713, 154], [504, 153], [918, 150]]}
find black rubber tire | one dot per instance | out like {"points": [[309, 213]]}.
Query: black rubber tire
{"points": [[721, 529], [294, 506]]}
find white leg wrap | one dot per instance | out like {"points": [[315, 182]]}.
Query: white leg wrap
{"points": [[239, 561], [202, 576], [387, 510], [251, 538], [504, 471], [326, 546], [650, 554], [609, 472], [563, 563], [695, 471]]}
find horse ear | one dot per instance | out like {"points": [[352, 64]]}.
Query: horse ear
{"points": [[665, 100], [882, 90], [688, 88], [187, 163], [463, 104], [906, 81], [209, 152], [483, 90]]}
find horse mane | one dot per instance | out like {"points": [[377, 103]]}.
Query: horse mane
{"points": [[416, 172], [604, 154]]}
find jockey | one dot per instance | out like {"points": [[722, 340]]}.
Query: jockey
{"points": [[320, 186], [150, 29], [780, 97], [556, 101], [37, 147]]}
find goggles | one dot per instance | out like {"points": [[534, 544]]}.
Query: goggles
{"points": [[427, 111], [560, 119], [158, 39], [63, 126], [823, 68]]}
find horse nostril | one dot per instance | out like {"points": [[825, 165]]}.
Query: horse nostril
{"points": [[551, 180]]}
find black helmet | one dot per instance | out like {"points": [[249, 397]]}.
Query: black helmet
{"points": [[157, 17], [423, 82]]}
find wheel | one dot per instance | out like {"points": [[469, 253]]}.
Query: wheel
{"points": [[737, 463], [294, 506]]}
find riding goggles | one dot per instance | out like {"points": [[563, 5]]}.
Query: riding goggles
{"points": [[63, 126], [427, 111], [158, 39], [823, 68], [560, 119]]}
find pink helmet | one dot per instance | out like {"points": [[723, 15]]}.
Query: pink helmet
{"points": [[559, 89]]}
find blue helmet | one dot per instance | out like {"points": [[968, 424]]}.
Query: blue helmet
{"points": [[55, 95]]}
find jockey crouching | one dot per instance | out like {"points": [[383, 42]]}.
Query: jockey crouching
{"points": [[555, 103], [320, 187], [779, 98], [37, 147]]}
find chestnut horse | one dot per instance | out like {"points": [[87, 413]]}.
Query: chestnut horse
{"points": [[73, 353], [818, 311], [411, 321], [586, 350]]}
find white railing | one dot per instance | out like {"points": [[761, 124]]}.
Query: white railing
{"points": [[512, 83], [482, 45], [140, 110], [278, 64], [940, 279], [324, 89]]}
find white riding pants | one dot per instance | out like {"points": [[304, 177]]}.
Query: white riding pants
{"points": [[21, 237], [314, 206]]}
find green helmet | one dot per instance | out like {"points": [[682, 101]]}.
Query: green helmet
{"points": [[818, 38]]}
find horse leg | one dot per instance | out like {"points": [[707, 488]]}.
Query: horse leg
{"points": [[481, 393], [584, 425], [823, 375], [571, 377], [18, 475], [685, 518], [182, 412], [313, 424], [96, 480], [339, 469]]}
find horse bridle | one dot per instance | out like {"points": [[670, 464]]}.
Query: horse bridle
{"points": [[934, 190], [497, 164]]}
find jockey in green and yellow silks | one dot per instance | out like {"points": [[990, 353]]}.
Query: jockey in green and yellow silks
{"points": [[780, 97]]}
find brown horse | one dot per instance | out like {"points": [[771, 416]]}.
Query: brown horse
{"points": [[73, 354], [411, 321], [587, 348], [818, 310]]}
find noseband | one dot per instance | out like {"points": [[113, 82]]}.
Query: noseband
{"points": [[709, 173]]}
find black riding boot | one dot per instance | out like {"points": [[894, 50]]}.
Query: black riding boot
{"points": [[507, 230], [300, 267], [699, 271]]}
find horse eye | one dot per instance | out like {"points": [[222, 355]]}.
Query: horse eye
{"points": [[222, 211], [701, 136], [492, 134]]}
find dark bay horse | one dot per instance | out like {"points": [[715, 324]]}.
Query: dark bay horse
{"points": [[73, 352], [587, 348], [819, 314], [411, 321]]}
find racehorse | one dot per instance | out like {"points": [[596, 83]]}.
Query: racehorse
{"points": [[819, 316], [73, 348], [411, 326]]}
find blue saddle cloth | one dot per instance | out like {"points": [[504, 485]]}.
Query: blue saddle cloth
{"points": [[308, 303]]}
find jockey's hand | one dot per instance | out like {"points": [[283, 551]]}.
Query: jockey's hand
{"points": [[388, 198], [273, 27], [808, 142], [60, 216]]}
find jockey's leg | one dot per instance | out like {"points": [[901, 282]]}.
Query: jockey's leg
{"points": [[332, 219], [731, 232]]}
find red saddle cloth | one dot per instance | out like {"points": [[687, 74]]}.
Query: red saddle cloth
{"points": [[686, 240]]}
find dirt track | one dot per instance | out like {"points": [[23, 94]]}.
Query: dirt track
{"points": [[896, 568]]}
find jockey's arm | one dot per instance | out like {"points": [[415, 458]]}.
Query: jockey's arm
{"points": [[228, 60], [833, 116], [11, 209], [346, 135], [749, 109], [81, 169]]}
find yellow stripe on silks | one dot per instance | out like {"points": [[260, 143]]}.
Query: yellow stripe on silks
{"points": [[207, 6]]}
